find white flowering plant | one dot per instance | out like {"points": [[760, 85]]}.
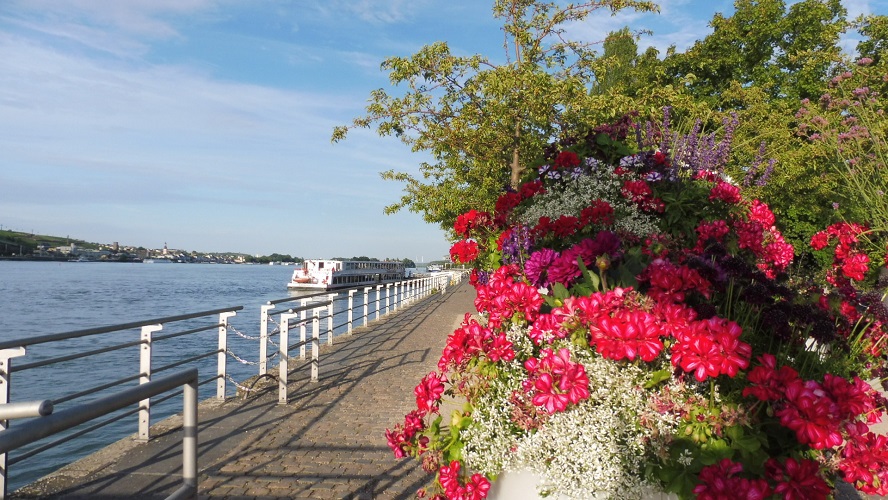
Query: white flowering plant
{"points": [[636, 333]]}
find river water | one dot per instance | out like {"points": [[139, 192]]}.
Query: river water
{"points": [[40, 298]]}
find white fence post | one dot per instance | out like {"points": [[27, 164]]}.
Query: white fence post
{"points": [[351, 303], [145, 377], [222, 357], [283, 356], [378, 300], [366, 304], [332, 297], [263, 338], [388, 298], [315, 323]]}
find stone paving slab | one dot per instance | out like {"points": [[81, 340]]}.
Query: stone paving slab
{"points": [[327, 442]]}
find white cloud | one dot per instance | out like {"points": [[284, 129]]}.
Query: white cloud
{"points": [[91, 145]]}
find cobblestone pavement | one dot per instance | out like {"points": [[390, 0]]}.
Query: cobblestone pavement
{"points": [[327, 442]]}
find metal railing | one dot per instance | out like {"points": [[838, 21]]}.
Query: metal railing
{"points": [[109, 336], [338, 310], [48, 425], [397, 295]]}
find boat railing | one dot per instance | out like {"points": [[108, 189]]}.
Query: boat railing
{"points": [[107, 346]]}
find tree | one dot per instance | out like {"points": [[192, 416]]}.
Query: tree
{"points": [[875, 45], [786, 53], [484, 122]]}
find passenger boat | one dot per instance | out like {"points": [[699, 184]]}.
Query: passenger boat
{"points": [[332, 274]]}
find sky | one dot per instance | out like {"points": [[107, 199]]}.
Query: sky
{"points": [[205, 124]]}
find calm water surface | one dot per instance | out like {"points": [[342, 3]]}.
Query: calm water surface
{"points": [[40, 298]]}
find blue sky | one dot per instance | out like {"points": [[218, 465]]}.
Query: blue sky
{"points": [[205, 124]]}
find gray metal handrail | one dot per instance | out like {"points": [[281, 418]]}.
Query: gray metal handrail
{"points": [[143, 370], [25, 409], [39, 428], [53, 337]]}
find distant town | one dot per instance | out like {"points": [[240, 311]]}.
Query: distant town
{"points": [[15, 245]]}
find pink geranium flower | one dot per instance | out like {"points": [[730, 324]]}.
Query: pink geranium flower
{"points": [[710, 348]]}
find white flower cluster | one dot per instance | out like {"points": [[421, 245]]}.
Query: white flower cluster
{"points": [[577, 194], [490, 440], [595, 448]]}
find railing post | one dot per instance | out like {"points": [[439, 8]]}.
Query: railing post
{"points": [[395, 297], [263, 338], [378, 300], [6, 356], [189, 436], [283, 352], [303, 314], [315, 324], [351, 303], [366, 304], [388, 298], [222, 357], [332, 297], [145, 377]]}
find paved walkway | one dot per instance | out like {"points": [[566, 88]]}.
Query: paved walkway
{"points": [[328, 442]]}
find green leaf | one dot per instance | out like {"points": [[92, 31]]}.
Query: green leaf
{"points": [[657, 377]]}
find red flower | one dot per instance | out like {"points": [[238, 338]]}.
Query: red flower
{"points": [[556, 381], [669, 282], [811, 414], [565, 226], [865, 462], [429, 391], [470, 220], [546, 328], [626, 335], [820, 240], [725, 192], [599, 212], [566, 159], [464, 251], [855, 266], [532, 188], [721, 482], [854, 398], [759, 212], [506, 202], [710, 348], [716, 230], [797, 480], [767, 381], [475, 489], [637, 191]]}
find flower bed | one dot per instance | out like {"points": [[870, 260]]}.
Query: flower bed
{"points": [[638, 330]]}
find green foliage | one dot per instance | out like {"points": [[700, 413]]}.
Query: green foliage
{"points": [[482, 122], [783, 52]]}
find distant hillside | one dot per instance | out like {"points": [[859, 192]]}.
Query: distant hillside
{"points": [[15, 242]]}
